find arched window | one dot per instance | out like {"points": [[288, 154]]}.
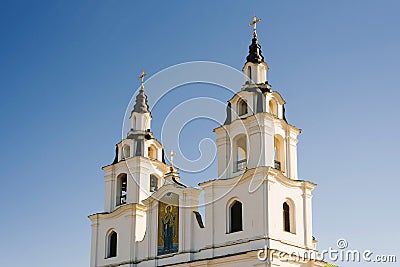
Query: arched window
{"points": [[153, 183], [134, 127], [235, 217], [152, 152], [273, 107], [242, 107], [112, 241], [288, 217], [279, 153], [122, 186], [126, 153], [249, 74], [147, 124], [240, 153]]}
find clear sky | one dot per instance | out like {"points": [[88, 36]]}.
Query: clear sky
{"points": [[68, 70]]}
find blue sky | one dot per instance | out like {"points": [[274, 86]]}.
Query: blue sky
{"points": [[68, 70]]}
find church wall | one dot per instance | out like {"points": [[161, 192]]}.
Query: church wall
{"points": [[278, 194], [217, 220], [122, 223], [189, 229], [224, 154], [147, 248]]}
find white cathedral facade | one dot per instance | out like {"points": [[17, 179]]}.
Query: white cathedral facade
{"points": [[257, 203]]}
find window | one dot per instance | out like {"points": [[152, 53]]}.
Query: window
{"points": [[235, 217], [152, 152], [153, 183], [112, 244], [279, 153], [122, 184], [126, 153], [273, 107], [133, 123], [240, 153], [242, 107], [288, 217], [249, 74]]}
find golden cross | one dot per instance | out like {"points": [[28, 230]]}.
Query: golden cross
{"points": [[254, 23], [142, 77]]}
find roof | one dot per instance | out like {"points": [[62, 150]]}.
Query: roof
{"points": [[141, 105], [255, 55]]}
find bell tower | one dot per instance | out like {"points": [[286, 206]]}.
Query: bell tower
{"points": [[255, 132], [136, 173], [139, 166]]}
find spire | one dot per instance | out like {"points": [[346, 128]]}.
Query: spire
{"points": [[141, 105], [255, 55]]}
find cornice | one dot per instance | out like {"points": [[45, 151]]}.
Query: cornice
{"points": [[140, 160], [249, 173], [179, 190], [250, 253], [119, 211]]}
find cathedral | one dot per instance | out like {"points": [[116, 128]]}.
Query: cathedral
{"points": [[257, 210]]}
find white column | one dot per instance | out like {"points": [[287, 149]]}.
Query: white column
{"points": [[182, 224], [209, 218], [94, 248], [223, 150], [132, 241], [307, 214], [152, 233], [110, 198], [293, 158]]}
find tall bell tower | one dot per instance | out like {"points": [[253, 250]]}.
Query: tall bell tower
{"points": [[257, 172], [255, 132], [135, 174]]}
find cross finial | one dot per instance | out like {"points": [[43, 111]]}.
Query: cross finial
{"points": [[171, 157], [142, 77], [254, 23]]}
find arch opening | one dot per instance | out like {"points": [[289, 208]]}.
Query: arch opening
{"points": [[288, 217], [112, 241], [273, 107], [242, 107], [126, 152], [249, 74], [279, 153], [153, 183], [152, 152], [122, 186], [235, 217], [240, 153]]}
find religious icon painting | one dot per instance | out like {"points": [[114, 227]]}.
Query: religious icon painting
{"points": [[168, 224]]}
